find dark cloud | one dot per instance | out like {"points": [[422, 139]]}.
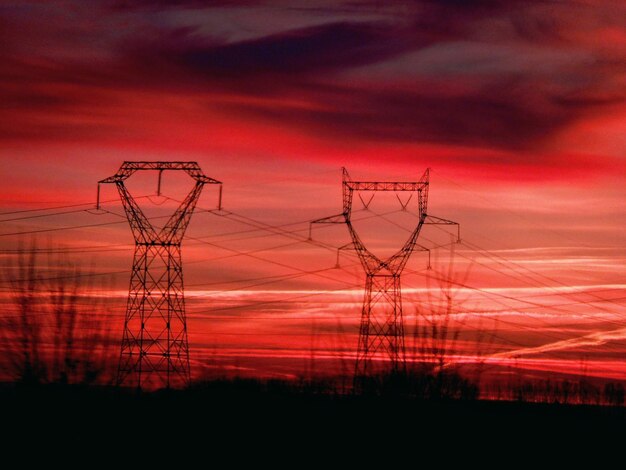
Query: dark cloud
{"points": [[517, 109], [491, 116], [138, 5], [313, 50]]}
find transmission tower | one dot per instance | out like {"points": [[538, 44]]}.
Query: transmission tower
{"points": [[381, 333], [155, 349]]}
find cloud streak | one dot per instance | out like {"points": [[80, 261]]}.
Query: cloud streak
{"points": [[595, 339]]}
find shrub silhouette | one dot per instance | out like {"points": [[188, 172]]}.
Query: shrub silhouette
{"points": [[53, 333]]}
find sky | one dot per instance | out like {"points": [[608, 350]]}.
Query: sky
{"points": [[518, 108]]}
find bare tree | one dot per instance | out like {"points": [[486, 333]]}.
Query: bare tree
{"points": [[437, 337], [52, 330]]}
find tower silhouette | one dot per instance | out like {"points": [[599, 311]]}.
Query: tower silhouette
{"points": [[155, 348], [381, 347]]}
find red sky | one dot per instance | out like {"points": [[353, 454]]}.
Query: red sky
{"points": [[518, 107]]}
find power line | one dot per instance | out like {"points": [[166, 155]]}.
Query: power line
{"points": [[521, 278], [67, 206], [278, 230]]}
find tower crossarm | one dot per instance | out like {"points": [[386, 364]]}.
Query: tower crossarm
{"points": [[191, 168], [385, 185], [432, 220], [128, 168]]}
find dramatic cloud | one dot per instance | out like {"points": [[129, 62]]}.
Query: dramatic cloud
{"points": [[483, 74]]}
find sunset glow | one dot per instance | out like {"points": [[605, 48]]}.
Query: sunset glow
{"points": [[518, 108]]}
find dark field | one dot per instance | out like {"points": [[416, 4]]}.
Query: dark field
{"points": [[249, 412]]}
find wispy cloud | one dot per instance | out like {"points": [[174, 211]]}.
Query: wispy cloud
{"points": [[592, 339]]}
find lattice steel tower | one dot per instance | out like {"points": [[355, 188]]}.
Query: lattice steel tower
{"points": [[155, 349], [381, 332]]}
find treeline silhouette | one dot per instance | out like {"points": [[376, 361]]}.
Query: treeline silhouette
{"points": [[54, 333], [566, 392]]}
